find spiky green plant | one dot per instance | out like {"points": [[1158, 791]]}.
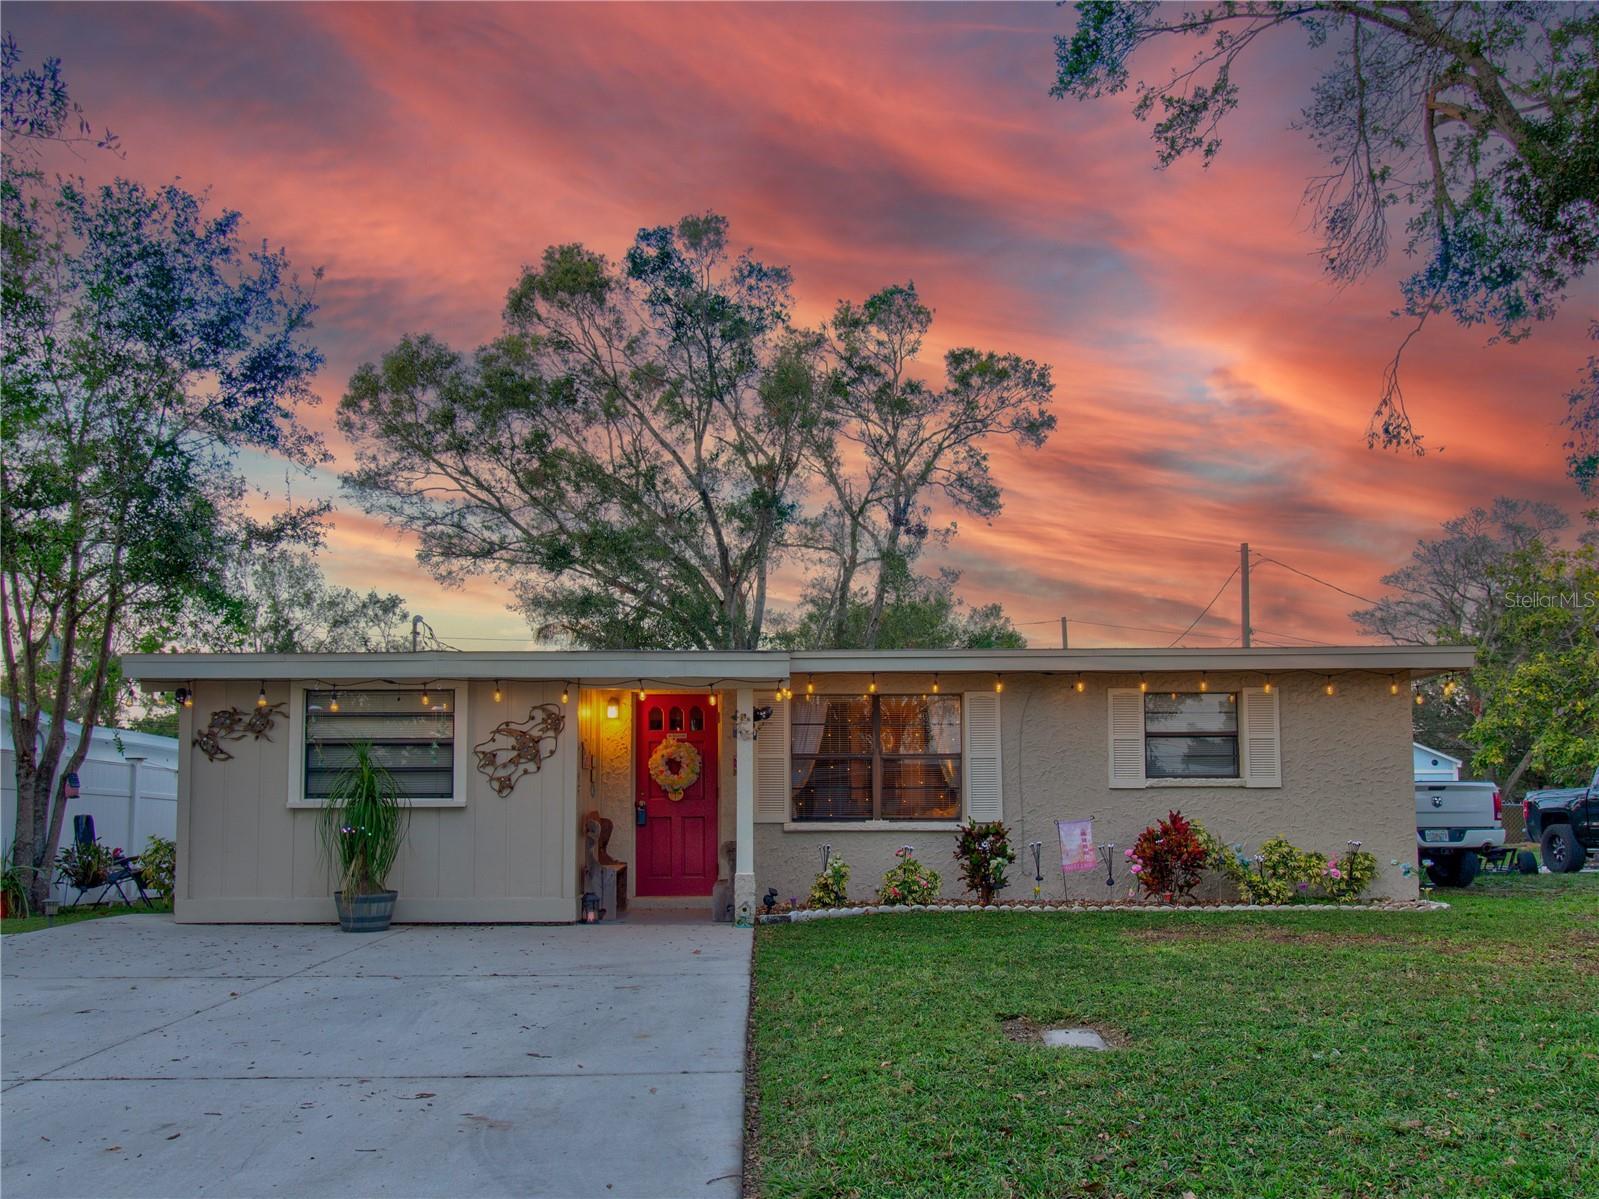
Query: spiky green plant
{"points": [[364, 823]]}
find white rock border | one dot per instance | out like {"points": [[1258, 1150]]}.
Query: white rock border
{"points": [[800, 917]]}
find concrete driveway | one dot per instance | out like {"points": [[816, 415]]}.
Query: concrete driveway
{"points": [[142, 1057]]}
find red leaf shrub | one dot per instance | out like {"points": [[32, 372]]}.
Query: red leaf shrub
{"points": [[1169, 857]]}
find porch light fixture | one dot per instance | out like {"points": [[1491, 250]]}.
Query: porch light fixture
{"points": [[497, 695], [613, 708], [260, 699]]}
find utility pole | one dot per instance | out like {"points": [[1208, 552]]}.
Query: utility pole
{"points": [[1243, 575], [1065, 641]]}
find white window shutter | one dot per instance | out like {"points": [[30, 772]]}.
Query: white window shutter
{"points": [[771, 761], [1126, 736], [980, 755], [1261, 738]]}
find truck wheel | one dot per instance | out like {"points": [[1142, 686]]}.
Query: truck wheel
{"points": [[1562, 852], [1454, 870], [1527, 861]]}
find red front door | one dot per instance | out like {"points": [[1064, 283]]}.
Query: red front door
{"points": [[677, 842]]}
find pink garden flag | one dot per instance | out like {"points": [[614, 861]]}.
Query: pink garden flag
{"points": [[1076, 845]]}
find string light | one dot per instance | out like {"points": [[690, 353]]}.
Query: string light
{"points": [[871, 688], [1328, 687], [1449, 689], [642, 696], [260, 699], [1419, 699], [713, 699], [999, 684], [425, 700], [333, 704], [1204, 683], [1143, 683], [613, 708], [1267, 687], [810, 685], [1080, 686], [935, 682], [566, 692], [1393, 685], [497, 695]]}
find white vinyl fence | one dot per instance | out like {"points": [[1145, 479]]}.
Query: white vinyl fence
{"points": [[128, 783]]}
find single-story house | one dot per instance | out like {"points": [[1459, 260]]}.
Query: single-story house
{"points": [[1433, 765], [503, 755]]}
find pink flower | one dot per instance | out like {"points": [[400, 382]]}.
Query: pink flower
{"points": [[1127, 853], [1336, 873], [1136, 868]]}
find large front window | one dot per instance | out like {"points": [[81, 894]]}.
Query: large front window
{"points": [[1191, 735], [415, 740], [876, 757]]}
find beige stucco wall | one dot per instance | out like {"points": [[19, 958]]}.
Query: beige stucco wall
{"points": [[245, 855], [1346, 769]]}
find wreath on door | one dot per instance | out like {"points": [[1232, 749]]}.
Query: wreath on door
{"points": [[675, 765]]}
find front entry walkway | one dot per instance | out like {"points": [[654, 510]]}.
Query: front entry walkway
{"points": [[143, 1057]]}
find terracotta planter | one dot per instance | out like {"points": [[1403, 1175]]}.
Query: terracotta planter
{"points": [[365, 913]]}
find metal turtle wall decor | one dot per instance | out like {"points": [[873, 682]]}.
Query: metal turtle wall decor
{"points": [[519, 747], [233, 724]]}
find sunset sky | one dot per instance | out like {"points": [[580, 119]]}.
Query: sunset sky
{"points": [[1211, 386]]}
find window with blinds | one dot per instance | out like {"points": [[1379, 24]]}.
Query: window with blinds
{"points": [[1191, 735], [415, 741], [876, 757]]}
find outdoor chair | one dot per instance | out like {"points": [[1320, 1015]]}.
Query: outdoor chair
{"points": [[122, 870]]}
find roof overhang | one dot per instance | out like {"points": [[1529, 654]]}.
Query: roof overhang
{"points": [[708, 668]]}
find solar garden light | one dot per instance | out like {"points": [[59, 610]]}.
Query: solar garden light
{"points": [[1108, 852], [1037, 848]]}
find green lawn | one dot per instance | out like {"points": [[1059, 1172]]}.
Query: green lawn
{"points": [[1317, 1054], [30, 924]]}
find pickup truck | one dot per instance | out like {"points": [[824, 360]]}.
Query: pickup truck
{"points": [[1565, 823], [1455, 822]]}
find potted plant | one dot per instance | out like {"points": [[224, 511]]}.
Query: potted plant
{"points": [[362, 827]]}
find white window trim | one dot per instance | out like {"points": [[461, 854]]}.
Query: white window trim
{"points": [[297, 690]]}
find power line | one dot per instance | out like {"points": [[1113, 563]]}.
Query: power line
{"points": [[1231, 575], [1306, 574]]}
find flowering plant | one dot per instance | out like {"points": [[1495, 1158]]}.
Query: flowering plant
{"points": [[1168, 857], [830, 888], [1349, 875], [984, 851], [908, 881]]}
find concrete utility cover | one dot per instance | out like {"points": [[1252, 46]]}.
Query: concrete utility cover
{"points": [[1074, 1038], [144, 1057]]}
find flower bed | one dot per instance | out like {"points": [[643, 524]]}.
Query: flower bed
{"points": [[791, 914]]}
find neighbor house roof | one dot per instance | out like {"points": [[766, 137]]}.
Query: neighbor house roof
{"points": [[721, 668]]}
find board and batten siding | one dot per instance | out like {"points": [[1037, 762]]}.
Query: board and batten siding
{"points": [[244, 855]]}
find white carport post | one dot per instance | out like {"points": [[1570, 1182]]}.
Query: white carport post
{"points": [[744, 831]]}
